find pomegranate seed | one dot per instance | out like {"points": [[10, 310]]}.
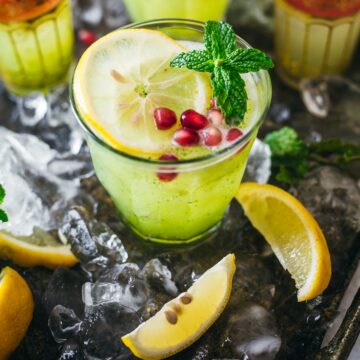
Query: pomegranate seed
{"points": [[168, 157], [233, 134], [193, 120], [164, 118], [167, 176], [216, 117], [186, 137], [213, 103], [212, 136], [87, 37]]}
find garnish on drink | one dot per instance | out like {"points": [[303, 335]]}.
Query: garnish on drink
{"points": [[162, 114]]}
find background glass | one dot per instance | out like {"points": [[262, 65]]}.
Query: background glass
{"points": [[36, 52], [202, 10]]}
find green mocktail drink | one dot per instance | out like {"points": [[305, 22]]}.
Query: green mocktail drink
{"points": [[202, 10], [163, 152], [36, 46]]}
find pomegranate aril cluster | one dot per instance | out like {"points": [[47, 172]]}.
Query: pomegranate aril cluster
{"points": [[196, 129]]}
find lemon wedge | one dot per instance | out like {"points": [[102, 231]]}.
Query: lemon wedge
{"points": [[16, 310], [123, 77], [293, 234], [184, 319], [27, 254]]}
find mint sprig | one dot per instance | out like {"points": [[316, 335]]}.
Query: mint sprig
{"points": [[225, 61], [3, 215]]}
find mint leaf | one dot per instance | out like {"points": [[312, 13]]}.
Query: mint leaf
{"points": [[245, 60], [334, 152], [197, 60], [2, 194], [225, 62], [221, 83], [236, 99], [3, 216], [219, 39], [289, 155]]}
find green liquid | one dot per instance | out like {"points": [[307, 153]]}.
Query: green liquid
{"points": [[176, 211], [202, 10], [37, 54]]}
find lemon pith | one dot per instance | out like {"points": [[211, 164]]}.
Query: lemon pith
{"points": [[123, 77], [16, 310], [293, 234], [157, 338], [29, 255]]}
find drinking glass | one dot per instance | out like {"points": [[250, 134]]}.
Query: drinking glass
{"points": [[192, 205]]}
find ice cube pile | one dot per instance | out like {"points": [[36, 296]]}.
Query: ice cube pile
{"points": [[40, 182], [108, 295]]}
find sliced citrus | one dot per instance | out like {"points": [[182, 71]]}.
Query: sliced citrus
{"points": [[28, 254], [293, 234], [16, 310], [123, 77], [184, 319]]}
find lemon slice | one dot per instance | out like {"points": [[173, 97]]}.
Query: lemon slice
{"points": [[16, 310], [184, 319], [293, 234], [123, 77], [27, 254]]}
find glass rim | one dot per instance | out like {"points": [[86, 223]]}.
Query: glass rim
{"points": [[215, 156]]}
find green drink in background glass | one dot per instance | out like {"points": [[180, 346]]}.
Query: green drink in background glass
{"points": [[172, 184], [37, 44], [202, 10]]}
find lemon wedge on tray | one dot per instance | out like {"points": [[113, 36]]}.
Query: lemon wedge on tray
{"points": [[28, 254], [293, 234], [16, 310], [184, 319]]}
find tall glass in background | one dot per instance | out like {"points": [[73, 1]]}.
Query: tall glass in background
{"points": [[37, 44], [202, 10], [191, 206], [314, 38]]}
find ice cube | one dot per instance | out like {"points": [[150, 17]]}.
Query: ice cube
{"points": [[64, 288], [108, 243], [130, 298], [76, 231], [159, 276], [63, 323], [32, 108], [91, 12], [259, 163], [314, 93], [71, 351], [253, 333], [115, 14], [102, 329], [36, 195]]}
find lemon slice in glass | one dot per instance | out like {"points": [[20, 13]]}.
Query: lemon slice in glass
{"points": [[184, 319], [293, 234], [123, 77]]}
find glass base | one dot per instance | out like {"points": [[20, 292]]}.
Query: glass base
{"points": [[206, 235]]}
